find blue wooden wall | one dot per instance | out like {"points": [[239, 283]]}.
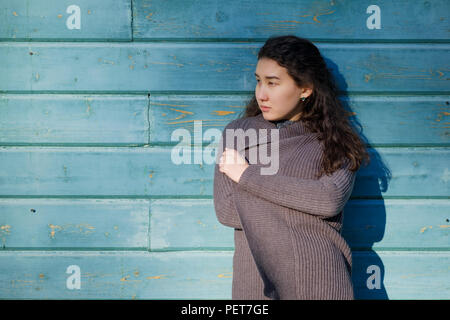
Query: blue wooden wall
{"points": [[91, 205]]}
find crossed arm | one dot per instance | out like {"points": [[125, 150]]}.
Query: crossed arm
{"points": [[324, 197]]}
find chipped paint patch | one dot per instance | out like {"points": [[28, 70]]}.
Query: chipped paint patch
{"points": [[88, 109], [222, 112], [104, 61], [53, 228], [4, 231], [5, 228], [322, 14], [425, 228], [166, 104], [225, 275], [163, 276], [201, 223], [184, 112], [442, 114], [431, 227], [82, 228]]}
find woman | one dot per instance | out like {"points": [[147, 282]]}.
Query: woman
{"points": [[288, 242]]}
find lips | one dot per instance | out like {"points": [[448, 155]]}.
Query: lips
{"points": [[264, 108]]}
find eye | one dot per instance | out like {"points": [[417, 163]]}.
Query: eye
{"points": [[272, 83]]}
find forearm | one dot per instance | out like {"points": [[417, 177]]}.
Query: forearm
{"points": [[324, 197]]}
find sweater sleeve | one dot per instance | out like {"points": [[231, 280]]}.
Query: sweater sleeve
{"points": [[324, 197], [224, 188]]}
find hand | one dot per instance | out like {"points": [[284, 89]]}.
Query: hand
{"points": [[232, 164]]}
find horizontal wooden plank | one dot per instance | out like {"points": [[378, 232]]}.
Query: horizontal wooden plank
{"points": [[155, 171], [378, 224], [379, 119], [397, 223], [55, 20], [320, 19], [74, 223], [404, 275], [143, 67], [197, 275], [401, 120], [180, 224], [116, 275], [128, 119], [74, 119]]}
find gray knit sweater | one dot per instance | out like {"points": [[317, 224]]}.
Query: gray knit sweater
{"points": [[287, 226]]}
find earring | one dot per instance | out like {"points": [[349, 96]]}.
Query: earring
{"points": [[303, 98]]}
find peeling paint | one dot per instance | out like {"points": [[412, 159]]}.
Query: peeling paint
{"points": [[440, 115], [5, 228], [322, 14], [205, 123], [163, 276], [104, 61], [201, 223], [53, 228], [222, 112], [225, 275], [368, 77], [88, 109], [170, 105], [431, 227], [183, 113]]}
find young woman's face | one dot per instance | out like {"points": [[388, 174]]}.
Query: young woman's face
{"points": [[277, 90]]}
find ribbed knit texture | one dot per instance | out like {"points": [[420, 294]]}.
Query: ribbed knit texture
{"points": [[288, 242]]}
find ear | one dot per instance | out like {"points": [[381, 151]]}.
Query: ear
{"points": [[306, 92]]}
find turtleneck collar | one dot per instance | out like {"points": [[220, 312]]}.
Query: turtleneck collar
{"points": [[281, 123], [289, 130]]}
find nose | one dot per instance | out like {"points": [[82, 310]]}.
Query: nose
{"points": [[260, 93]]}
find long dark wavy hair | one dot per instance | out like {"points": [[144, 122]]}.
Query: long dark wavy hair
{"points": [[322, 112]]}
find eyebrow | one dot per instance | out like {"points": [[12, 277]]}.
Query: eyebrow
{"points": [[271, 77]]}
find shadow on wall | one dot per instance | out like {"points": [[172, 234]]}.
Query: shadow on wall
{"points": [[365, 220]]}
